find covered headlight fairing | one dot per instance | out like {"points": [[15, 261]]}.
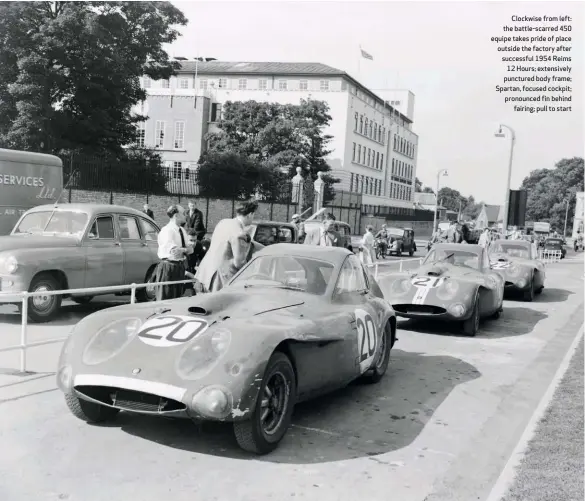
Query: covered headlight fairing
{"points": [[457, 310], [213, 402], [513, 271], [111, 340], [202, 355], [400, 287], [448, 290]]}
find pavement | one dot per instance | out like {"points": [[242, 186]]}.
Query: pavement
{"points": [[440, 426]]}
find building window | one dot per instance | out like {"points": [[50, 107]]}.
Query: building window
{"points": [[371, 130], [354, 148], [146, 83], [177, 169], [215, 112], [375, 131], [324, 85], [262, 84], [380, 134], [140, 134], [395, 139], [203, 84], [184, 83], [282, 85], [378, 166], [179, 135], [366, 127], [165, 84], [242, 84], [355, 128], [380, 188], [304, 85], [223, 83], [381, 160], [361, 124], [359, 155], [159, 134], [364, 155], [393, 167], [369, 158]]}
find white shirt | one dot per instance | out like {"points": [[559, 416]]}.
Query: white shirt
{"points": [[368, 240], [169, 239]]}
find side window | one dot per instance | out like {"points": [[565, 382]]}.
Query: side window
{"points": [[102, 228], [351, 278], [149, 230], [285, 235], [129, 228], [266, 235]]}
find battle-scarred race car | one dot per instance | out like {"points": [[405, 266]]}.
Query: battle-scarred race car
{"points": [[517, 262], [296, 322], [454, 283]]}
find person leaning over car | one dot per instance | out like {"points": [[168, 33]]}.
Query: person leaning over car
{"points": [[230, 249], [324, 235]]}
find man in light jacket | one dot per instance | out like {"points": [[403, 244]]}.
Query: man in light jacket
{"points": [[324, 235]]}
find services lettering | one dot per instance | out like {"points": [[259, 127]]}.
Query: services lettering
{"points": [[8, 179]]}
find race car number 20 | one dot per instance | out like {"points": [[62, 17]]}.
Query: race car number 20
{"points": [[171, 330], [367, 339]]}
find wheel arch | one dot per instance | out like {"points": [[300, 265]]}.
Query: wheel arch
{"points": [[57, 274]]}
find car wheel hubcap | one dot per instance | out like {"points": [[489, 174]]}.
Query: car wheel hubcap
{"points": [[44, 302], [274, 403], [383, 348]]}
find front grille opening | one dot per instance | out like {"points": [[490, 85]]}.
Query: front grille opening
{"points": [[131, 400], [507, 284], [419, 309]]}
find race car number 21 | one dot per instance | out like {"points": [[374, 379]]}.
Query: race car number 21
{"points": [[367, 339], [171, 330]]}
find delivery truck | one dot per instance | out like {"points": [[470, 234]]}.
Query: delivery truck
{"points": [[26, 180]]}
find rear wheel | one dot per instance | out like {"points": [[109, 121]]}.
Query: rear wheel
{"points": [[274, 407], [471, 325], [44, 308], [89, 411]]}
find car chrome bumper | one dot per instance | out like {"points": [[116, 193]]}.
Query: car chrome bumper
{"points": [[417, 311], [11, 288]]}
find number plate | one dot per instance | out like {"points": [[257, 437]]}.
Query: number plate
{"points": [[427, 282]]}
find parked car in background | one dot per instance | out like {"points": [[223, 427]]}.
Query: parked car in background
{"points": [[340, 227], [76, 246], [401, 240], [555, 244], [272, 232]]}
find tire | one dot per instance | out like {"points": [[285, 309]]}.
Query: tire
{"points": [[42, 310], [89, 412], [497, 314], [376, 374], [144, 295], [528, 295], [82, 299], [251, 434], [471, 325], [411, 252], [539, 290]]}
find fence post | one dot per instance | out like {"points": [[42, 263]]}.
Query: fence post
{"points": [[401, 265], [23, 333], [133, 294], [376, 272]]}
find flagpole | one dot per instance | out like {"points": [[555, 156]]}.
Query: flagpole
{"points": [[360, 63]]}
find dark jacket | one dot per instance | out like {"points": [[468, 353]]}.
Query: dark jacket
{"points": [[194, 224], [149, 213]]}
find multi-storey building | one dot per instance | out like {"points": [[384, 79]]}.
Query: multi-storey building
{"points": [[373, 150]]}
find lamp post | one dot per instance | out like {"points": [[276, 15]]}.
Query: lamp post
{"points": [[500, 133], [568, 201], [442, 172]]}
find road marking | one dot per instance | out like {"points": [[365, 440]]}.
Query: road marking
{"points": [[508, 474], [317, 430]]}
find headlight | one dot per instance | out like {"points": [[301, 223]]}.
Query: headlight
{"points": [[213, 402], [457, 310], [401, 286], [202, 355], [10, 264], [447, 289], [521, 283], [513, 271], [110, 340]]}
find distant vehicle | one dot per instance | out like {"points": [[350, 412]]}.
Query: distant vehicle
{"points": [[26, 180], [295, 323], [401, 240], [341, 227], [541, 227], [555, 244], [76, 246], [272, 232]]}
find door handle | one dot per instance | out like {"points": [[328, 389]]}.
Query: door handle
{"points": [[117, 244]]}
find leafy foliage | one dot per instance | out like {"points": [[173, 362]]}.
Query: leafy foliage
{"points": [[69, 71], [277, 137], [550, 189], [455, 201], [420, 188]]}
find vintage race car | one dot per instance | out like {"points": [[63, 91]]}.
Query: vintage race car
{"points": [[296, 322], [454, 283], [517, 262]]}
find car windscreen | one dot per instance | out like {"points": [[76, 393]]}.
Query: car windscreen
{"points": [[294, 272], [456, 257], [551, 241], [510, 249], [60, 223], [395, 232]]}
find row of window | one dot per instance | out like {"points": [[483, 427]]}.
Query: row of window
{"points": [[400, 192], [365, 185], [369, 128], [402, 169], [367, 156], [159, 135], [222, 83], [403, 146], [385, 210]]}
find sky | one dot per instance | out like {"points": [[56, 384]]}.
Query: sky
{"points": [[441, 51]]}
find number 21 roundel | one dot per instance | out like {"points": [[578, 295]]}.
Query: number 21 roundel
{"points": [[367, 339], [171, 330]]}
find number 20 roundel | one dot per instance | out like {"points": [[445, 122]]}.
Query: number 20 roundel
{"points": [[171, 330], [367, 339]]}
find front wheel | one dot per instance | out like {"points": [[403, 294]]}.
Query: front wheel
{"points": [[471, 325], [274, 407], [44, 308], [528, 295], [89, 411]]}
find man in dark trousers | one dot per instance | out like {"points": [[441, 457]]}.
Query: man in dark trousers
{"points": [[148, 212], [196, 229]]}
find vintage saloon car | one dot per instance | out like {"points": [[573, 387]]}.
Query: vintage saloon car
{"points": [[553, 244], [401, 240], [75, 246], [272, 232]]}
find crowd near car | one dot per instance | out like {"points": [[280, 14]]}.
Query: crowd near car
{"points": [[297, 321]]}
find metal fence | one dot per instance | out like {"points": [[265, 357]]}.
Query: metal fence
{"points": [[550, 256]]}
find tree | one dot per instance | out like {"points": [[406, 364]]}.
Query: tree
{"points": [[69, 71], [455, 201], [420, 188], [277, 136], [549, 191]]}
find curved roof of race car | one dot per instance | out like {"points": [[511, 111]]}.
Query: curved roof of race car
{"points": [[525, 243], [333, 255], [462, 247]]}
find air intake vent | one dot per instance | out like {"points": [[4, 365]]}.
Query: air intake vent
{"points": [[198, 310]]}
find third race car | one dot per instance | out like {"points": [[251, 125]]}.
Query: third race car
{"points": [[454, 283]]}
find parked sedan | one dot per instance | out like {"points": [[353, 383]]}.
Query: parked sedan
{"points": [[75, 246]]}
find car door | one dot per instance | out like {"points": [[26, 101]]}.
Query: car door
{"points": [[137, 256], [105, 258], [493, 300], [150, 232]]}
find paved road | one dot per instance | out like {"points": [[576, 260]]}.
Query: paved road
{"points": [[440, 426]]}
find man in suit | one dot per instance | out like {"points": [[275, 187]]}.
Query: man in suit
{"points": [[324, 235], [194, 224], [148, 212]]}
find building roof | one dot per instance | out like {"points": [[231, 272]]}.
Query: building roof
{"points": [[276, 68], [425, 198]]}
